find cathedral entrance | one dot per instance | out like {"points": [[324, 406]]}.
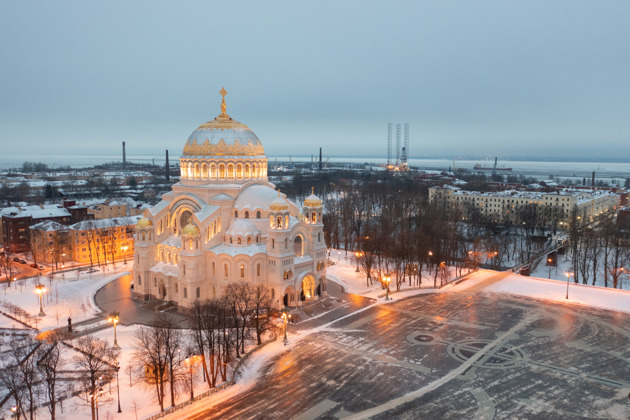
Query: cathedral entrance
{"points": [[308, 287], [162, 290]]}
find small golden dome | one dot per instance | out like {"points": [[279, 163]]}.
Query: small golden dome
{"points": [[143, 223], [190, 229], [312, 200], [279, 203]]}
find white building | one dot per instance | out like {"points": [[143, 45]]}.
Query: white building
{"points": [[225, 222], [506, 205]]}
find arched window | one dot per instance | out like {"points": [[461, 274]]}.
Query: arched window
{"points": [[286, 222], [273, 243], [286, 243], [185, 292], [221, 171], [254, 171], [273, 293], [230, 239], [213, 170], [225, 270], [198, 292], [214, 292], [139, 280], [271, 224], [230, 171], [238, 240], [258, 215], [176, 287], [184, 267], [319, 237], [236, 213], [279, 222], [314, 217], [258, 270], [249, 240], [257, 238], [204, 170], [297, 246], [213, 271], [196, 170], [247, 172], [242, 271], [246, 214], [239, 171]]}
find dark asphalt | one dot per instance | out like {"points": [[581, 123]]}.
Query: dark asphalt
{"points": [[493, 355], [116, 296]]}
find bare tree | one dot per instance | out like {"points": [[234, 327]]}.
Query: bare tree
{"points": [[50, 362], [97, 358]]}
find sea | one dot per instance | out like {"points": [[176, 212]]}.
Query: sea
{"points": [[540, 169]]}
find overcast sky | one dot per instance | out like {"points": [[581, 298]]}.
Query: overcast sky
{"points": [[508, 78]]}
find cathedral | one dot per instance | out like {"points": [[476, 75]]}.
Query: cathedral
{"points": [[225, 222]]}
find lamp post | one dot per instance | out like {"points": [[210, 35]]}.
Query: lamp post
{"points": [[189, 361], [117, 385], [358, 255], [549, 264], [285, 318], [39, 289], [568, 274], [386, 279], [124, 250], [114, 317]]}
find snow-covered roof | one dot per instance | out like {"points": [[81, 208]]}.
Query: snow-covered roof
{"points": [[166, 269], [36, 212], [221, 196], [206, 211], [242, 227], [48, 226], [234, 250], [106, 223], [255, 197], [173, 240]]}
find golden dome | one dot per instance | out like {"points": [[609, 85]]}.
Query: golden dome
{"points": [[143, 223], [312, 200], [279, 203], [223, 136], [190, 229]]}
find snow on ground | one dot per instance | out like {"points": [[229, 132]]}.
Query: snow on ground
{"points": [[598, 297], [68, 295], [343, 272]]}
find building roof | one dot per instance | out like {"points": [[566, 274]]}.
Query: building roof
{"points": [[106, 223], [255, 196]]}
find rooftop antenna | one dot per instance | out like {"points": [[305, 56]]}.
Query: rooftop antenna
{"points": [[389, 143], [397, 144]]}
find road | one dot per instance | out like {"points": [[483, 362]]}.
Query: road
{"points": [[450, 355]]}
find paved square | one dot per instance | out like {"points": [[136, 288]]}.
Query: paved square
{"points": [[451, 355]]}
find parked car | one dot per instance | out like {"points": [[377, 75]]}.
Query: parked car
{"points": [[34, 265], [41, 267], [22, 261], [16, 259]]}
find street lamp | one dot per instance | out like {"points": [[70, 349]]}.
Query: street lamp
{"points": [[124, 250], [568, 274], [285, 318], [189, 361], [549, 260], [114, 317], [386, 279], [39, 289], [117, 385], [358, 254]]}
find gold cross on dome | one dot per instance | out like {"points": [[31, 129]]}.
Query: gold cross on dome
{"points": [[312, 190], [223, 92]]}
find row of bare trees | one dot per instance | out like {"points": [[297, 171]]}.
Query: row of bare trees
{"points": [[599, 251], [221, 329], [33, 374]]}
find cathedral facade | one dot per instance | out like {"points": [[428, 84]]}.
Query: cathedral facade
{"points": [[225, 222]]}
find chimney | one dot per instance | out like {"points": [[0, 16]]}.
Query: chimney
{"points": [[168, 171], [320, 159], [124, 157]]}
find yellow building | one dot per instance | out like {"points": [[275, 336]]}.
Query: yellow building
{"points": [[108, 210], [88, 242]]}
